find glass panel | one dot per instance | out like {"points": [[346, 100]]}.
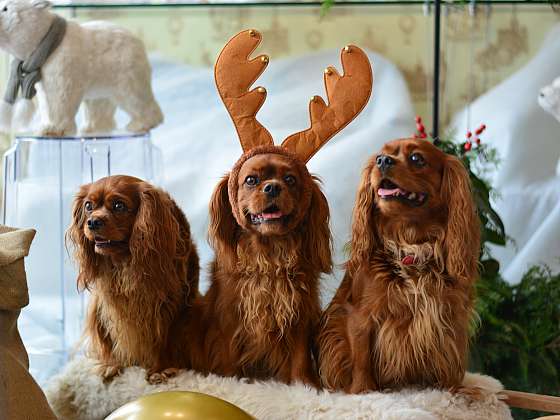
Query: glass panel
{"points": [[484, 46]]}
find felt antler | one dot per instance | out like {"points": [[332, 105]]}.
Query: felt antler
{"points": [[347, 96], [234, 74]]}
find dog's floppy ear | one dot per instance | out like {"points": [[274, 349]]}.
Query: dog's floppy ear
{"points": [[364, 230], [84, 252], [223, 229], [462, 236], [153, 241], [317, 238]]}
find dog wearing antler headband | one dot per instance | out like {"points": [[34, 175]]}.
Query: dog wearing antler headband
{"points": [[401, 315], [269, 225]]}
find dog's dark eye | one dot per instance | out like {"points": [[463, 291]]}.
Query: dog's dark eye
{"points": [[88, 206], [290, 179], [119, 206], [251, 181], [417, 159], [5, 9]]}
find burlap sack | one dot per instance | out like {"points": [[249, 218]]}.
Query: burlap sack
{"points": [[20, 396]]}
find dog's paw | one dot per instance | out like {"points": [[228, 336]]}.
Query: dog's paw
{"points": [[363, 386], [161, 377], [155, 378], [311, 381], [108, 372], [170, 372]]}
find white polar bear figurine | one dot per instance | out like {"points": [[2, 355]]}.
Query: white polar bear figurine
{"points": [[549, 98], [103, 65]]}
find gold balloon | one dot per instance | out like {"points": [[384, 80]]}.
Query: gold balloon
{"points": [[182, 405]]}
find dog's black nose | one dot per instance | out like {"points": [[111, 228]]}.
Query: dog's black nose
{"points": [[272, 189], [95, 224], [384, 162]]}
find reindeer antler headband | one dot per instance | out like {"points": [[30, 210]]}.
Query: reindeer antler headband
{"points": [[347, 95]]}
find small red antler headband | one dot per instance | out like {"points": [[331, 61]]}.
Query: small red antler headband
{"points": [[347, 96]]}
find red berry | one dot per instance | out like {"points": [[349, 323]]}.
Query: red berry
{"points": [[468, 146], [469, 134], [420, 127], [418, 119], [423, 135], [477, 141]]}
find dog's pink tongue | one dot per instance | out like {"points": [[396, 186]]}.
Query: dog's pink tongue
{"points": [[275, 215], [385, 192]]}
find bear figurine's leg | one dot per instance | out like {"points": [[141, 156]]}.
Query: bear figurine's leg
{"points": [[136, 98], [58, 106], [144, 111], [99, 115]]}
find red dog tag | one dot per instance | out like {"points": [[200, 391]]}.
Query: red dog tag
{"points": [[408, 260]]}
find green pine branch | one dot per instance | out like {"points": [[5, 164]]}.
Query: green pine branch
{"points": [[517, 336], [326, 6]]}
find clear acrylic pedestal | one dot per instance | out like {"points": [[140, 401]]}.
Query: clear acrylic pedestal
{"points": [[41, 177]]}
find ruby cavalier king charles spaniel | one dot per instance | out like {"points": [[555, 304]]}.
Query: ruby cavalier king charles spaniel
{"points": [[136, 257], [269, 225], [402, 313], [269, 230]]}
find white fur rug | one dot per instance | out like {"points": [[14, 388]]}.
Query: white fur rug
{"points": [[77, 393]]}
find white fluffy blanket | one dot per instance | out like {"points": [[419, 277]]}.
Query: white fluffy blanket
{"points": [[76, 393]]}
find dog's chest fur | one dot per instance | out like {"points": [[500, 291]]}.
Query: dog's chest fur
{"points": [[269, 304], [132, 319], [418, 316], [271, 292]]}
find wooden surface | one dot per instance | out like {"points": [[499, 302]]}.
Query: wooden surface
{"points": [[535, 402]]}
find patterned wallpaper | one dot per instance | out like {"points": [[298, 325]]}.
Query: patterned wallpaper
{"points": [[479, 49]]}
